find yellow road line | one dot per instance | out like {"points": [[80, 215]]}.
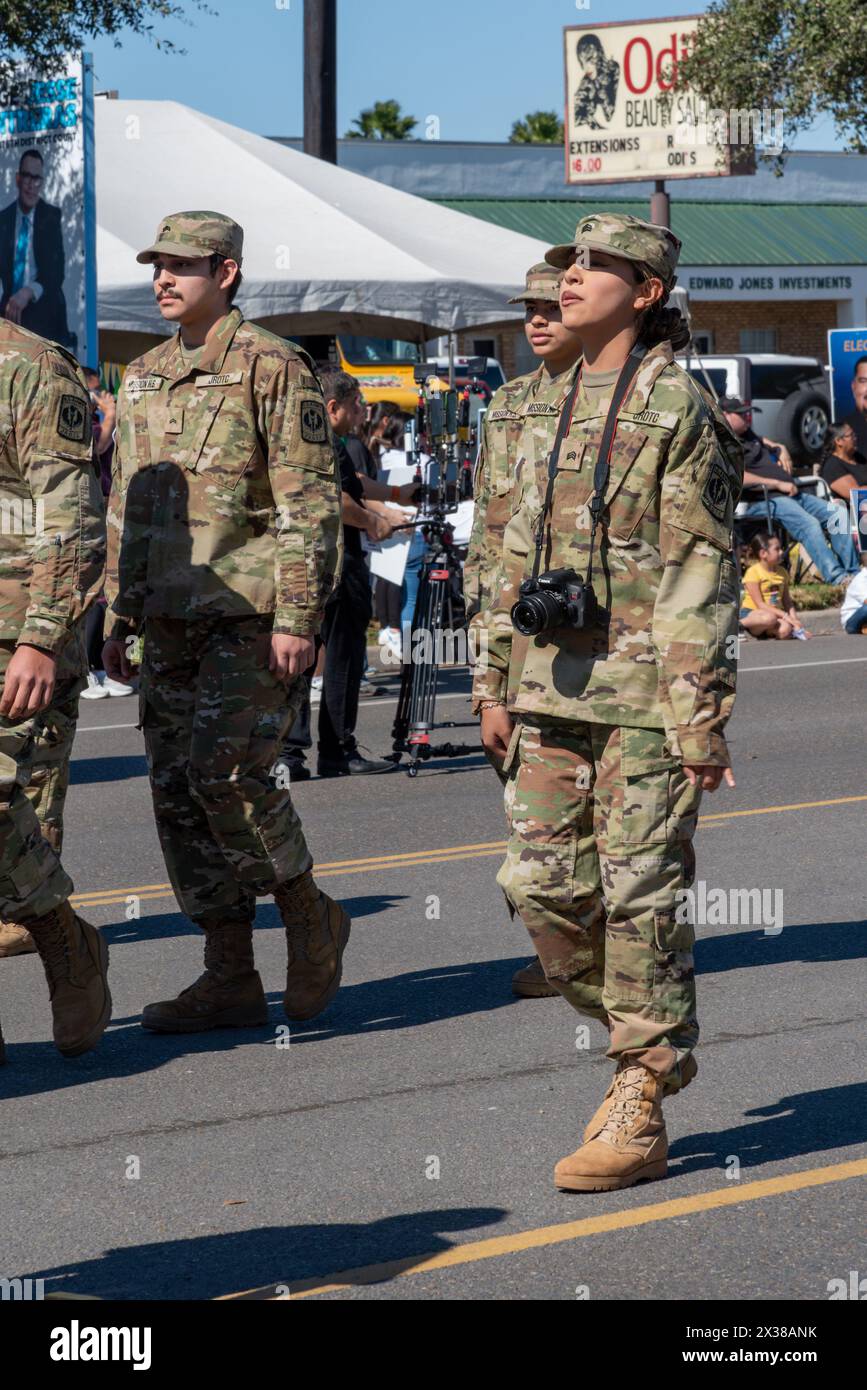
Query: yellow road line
{"points": [[473, 1251], [106, 897]]}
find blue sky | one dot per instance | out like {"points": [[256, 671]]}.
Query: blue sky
{"points": [[476, 64]]}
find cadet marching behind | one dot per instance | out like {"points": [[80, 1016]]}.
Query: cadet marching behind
{"points": [[224, 545], [51, 570], [617, 566], [519, 423]]}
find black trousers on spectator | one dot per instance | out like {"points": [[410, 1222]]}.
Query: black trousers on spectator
{"points": [[344, 633], [94, 623], [388, 602]]}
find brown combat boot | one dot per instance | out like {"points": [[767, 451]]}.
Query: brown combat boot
{"points": [[15, 940], [687, 1072], [317, 930], [228, 995], [632, 1145], [531, 982], [75, 957]]}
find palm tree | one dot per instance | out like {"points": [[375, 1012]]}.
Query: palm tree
{"points": [[538, 128], [382, 121]]}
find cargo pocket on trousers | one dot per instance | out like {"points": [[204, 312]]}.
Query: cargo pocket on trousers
{"points": [[646, 770], [673, 967]]}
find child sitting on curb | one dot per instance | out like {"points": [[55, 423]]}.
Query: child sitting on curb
{"points": [[766, 607]]}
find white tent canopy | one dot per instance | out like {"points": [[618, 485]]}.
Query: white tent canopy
{"points": [[324, 248]]}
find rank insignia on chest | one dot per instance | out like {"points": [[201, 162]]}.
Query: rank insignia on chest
{"points": [[72, 418], [716, 492], [313, 422]]}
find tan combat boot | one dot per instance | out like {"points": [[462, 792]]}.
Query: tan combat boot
{"points": [[632, 1145], [317, 930], [687, 1072], [531, 982], [228, 995], [15, 940], [75, 957]]}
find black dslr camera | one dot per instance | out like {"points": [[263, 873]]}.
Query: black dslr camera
{"points": [[559, 598]]}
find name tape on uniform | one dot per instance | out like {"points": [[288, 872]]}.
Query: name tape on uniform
{"points": [[133, 384], [502, 415], [220, 379], [666, 419]]}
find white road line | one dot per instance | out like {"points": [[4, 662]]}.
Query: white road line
{"points": [[465, 695], [790, 665], [100, 728]]}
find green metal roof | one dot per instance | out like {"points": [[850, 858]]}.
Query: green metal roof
{"points": [[712, 233]]}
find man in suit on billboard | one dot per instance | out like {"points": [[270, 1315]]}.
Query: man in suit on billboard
{"points": [[32, 261]]}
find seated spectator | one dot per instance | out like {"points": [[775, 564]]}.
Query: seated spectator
{"points": [[853, 611], [832, 550], [843, 467], [766, 607]]}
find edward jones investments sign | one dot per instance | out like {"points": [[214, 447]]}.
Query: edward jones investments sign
{"points": [[622, 119]]}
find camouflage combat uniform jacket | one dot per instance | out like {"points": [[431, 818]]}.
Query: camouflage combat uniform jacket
{"points": [[225, 493], [520, 423], [52, 527], [663, 568]]}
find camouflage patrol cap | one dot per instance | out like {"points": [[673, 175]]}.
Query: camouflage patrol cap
{"points": [[541, 283], [624, 236], [193, 234]]}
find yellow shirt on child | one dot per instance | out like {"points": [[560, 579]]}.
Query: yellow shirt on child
{"points": [[771, 586]]}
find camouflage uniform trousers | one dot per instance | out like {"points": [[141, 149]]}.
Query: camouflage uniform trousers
{"points": [[214, 719], [602, 820], [34, 777]]}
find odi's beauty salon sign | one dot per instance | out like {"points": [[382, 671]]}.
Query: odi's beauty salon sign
{"points": [[623, 118]]}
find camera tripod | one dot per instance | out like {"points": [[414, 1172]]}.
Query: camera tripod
{"points": [[434, 609]]}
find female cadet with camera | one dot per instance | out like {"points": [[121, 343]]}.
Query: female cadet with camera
{"points": [[617, 565]]}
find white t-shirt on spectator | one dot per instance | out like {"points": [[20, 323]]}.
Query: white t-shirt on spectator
{"points": [[855, 595]]}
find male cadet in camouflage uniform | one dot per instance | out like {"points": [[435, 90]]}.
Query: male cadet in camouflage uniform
{"points": [[620, 727], [519, 422], [224, 545], [52, 555]]}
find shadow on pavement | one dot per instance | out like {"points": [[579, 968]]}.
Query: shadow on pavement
{"points": [[404, 1001], [805, 1123], [807, 942], [176, 924], [208, 1266], [121, 769]]}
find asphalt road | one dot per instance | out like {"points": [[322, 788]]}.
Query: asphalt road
{"points": [[401, 1146]]}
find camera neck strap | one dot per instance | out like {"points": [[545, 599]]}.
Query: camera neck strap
{"points": [[603, 459]]}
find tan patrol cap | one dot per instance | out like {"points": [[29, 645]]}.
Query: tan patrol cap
{"points": [[542, 283], [623, 236], [193, 234]]}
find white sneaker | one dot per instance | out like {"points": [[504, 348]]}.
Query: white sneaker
{"points": [[95, 688], [116, 688], [394, 643]]}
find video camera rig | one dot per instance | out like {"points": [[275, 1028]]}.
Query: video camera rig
{"points": [[445, 428]]}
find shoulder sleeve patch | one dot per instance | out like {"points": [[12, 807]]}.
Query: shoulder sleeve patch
{"points": [[72, 418], [313, 426]]}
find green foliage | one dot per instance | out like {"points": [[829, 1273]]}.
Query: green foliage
{"points": [[803, 58], [538, 128], [811, 597], [382, 121], [41, 32]]}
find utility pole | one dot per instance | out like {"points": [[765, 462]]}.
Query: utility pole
{"points": [[320, 79], [660, 205]]}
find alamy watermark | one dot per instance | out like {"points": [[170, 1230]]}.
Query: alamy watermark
{"points": [[730, 907], [711, 125], [19, 516], [444, 646]]}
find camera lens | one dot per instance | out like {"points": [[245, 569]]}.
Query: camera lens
{"points": [[535, 613]]}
